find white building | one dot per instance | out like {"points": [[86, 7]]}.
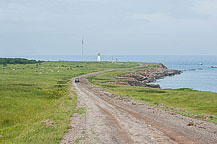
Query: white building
{"points": [[98, 58]]}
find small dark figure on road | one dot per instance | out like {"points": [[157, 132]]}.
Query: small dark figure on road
{"points": [[77, 80]]}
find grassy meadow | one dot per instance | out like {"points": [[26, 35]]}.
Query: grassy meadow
{"points": [[36, 102], [184, 101]]}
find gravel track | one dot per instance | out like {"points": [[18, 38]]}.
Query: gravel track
{"points": [[110, 119]]}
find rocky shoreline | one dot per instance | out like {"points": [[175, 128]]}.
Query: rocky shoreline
{"points": [[145, 77]]}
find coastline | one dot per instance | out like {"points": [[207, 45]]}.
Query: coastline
{"points": [[144, 78], [184, 101], [196, 76]]}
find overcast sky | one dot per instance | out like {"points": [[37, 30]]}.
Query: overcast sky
{"points": [[111, 27]]}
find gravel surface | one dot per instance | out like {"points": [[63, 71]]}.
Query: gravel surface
{"points": [[111, 119]]}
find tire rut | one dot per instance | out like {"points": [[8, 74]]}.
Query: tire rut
{"points": [[112, 121]]}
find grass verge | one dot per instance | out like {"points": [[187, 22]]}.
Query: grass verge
{"points": [[192, 103], [36, 102]]}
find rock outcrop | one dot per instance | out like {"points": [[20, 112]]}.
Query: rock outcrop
{"points": [[143, 78]]}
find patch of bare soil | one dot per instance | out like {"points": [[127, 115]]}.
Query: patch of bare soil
{"points": [[111, 119]]}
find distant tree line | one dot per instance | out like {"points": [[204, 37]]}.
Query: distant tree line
{"points": [[6, 61]]}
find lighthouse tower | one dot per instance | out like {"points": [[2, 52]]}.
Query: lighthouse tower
{"points": [[98, 58]]}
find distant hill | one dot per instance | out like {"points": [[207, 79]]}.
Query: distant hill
{"points": [[18, 61]]}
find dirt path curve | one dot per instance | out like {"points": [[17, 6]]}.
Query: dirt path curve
{"points": [[110, 119]]}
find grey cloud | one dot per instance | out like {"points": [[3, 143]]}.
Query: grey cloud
{"points": [[110, 26]]}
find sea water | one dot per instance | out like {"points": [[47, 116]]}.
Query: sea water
{"points": [[197, 74]]}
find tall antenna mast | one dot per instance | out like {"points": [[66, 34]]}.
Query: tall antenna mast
{"points": [[82, 47]]}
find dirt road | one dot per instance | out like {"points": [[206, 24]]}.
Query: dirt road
{"points": [[111, 119]]}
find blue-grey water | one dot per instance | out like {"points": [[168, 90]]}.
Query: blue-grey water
{"points": [[203, 78]]}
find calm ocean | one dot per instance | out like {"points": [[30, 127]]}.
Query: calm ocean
{"points": [[203, 78]]}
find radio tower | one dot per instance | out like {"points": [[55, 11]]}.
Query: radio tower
{"points": [[82, 49]]}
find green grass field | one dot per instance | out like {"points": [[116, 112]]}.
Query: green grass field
{"points": [[33, 93], [192, 101]]}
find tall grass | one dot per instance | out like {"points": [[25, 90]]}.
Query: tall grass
{"points": [[33, 93]]}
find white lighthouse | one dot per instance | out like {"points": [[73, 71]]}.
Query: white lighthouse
{"points": [[98, 57]]}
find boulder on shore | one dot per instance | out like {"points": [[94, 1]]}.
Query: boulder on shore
{"points": [[143, 78]]}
